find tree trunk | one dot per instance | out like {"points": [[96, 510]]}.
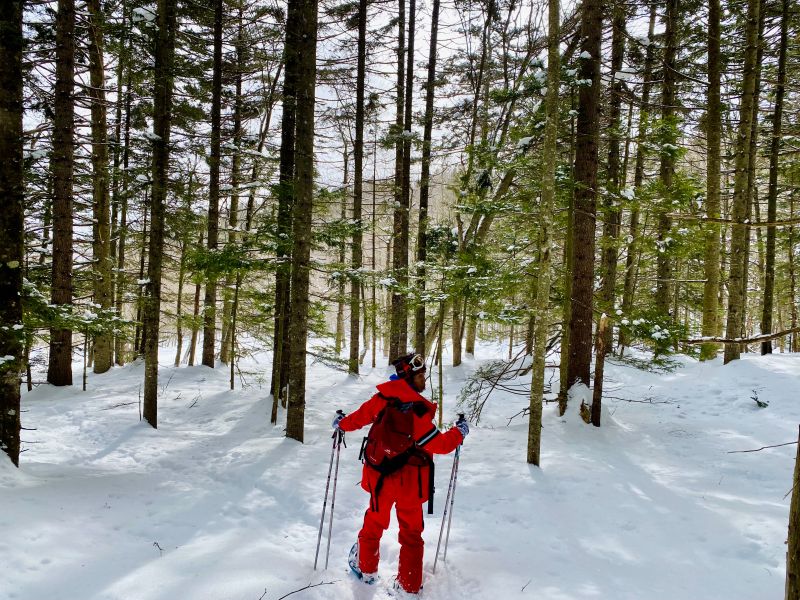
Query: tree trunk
{"points": [[599, 363], [179, 305], [549, 156], [611, 209], [102, 344], [795, 343], [139, 337], [119, 342], [712, 230], [12, 225], [358, 190], [632, 259], [398, 328], [195, 315], [568, 261], [124, 52], [210, 300], [286, 200], [793, 548], [101, 242], [667, 168], [162, 115], [739, 229], [425, 179], [339, 340], [59, 369], [303, 42], [227, 342], [772, 194], [580, 324]]}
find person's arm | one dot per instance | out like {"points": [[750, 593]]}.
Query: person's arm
{"points": [[363, 415], [436, 442]]}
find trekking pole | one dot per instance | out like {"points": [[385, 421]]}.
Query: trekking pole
{"points": [[452, 499], [448, 505], [339, 434], [325, 501]]}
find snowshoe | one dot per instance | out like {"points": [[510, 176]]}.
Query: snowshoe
{"points": [[399, 593], [352, 560]]}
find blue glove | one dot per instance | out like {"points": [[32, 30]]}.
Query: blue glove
{"points": [[337, 419], [463, 426]]}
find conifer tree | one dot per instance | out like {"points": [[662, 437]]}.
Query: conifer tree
{"points": [[12, 226]]}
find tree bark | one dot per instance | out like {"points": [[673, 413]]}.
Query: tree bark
{"points": [[59, 369], [712, 230], [424, 189], [162, 115], [398, 325], [286, 200], [12, 225], [227, 340], [101, 242], [119, 342], [772, 194], [580, 324], [739, 231], [549, 155], [195, 315], [303, 41], [632, 258], [212, 237], [339, 339], [793, 548], [358, 190], [667, 167], [611, 209], [599, 364]]}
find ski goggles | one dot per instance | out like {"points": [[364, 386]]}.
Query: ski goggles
{"points": [[417, 362]]}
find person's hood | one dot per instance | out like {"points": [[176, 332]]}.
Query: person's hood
{"points": [[402, 390]]}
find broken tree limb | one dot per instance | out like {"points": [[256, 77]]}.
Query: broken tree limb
{"points": [[781, 223], [751, 340]]}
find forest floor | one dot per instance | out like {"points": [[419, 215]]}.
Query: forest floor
{"points": [[217, 504]]}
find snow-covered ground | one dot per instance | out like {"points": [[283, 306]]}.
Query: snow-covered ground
{"points": [[216, 504]]}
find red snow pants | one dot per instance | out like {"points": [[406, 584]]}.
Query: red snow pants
{"points": [[409, 516]]}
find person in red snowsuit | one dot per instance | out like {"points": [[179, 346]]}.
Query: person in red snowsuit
{"points": [[407, 489]]}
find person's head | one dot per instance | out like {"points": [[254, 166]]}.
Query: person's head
{"points": [[411, 367]]}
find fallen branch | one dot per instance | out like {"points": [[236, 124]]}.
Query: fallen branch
{"points": [[309, 586], [762, 448], [647, 400], [782, 223], [752, 340]]}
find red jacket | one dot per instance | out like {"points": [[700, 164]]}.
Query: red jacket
{"points": [[427, 435]]}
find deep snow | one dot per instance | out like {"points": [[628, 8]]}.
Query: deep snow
{"points": [[216, 504]]}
